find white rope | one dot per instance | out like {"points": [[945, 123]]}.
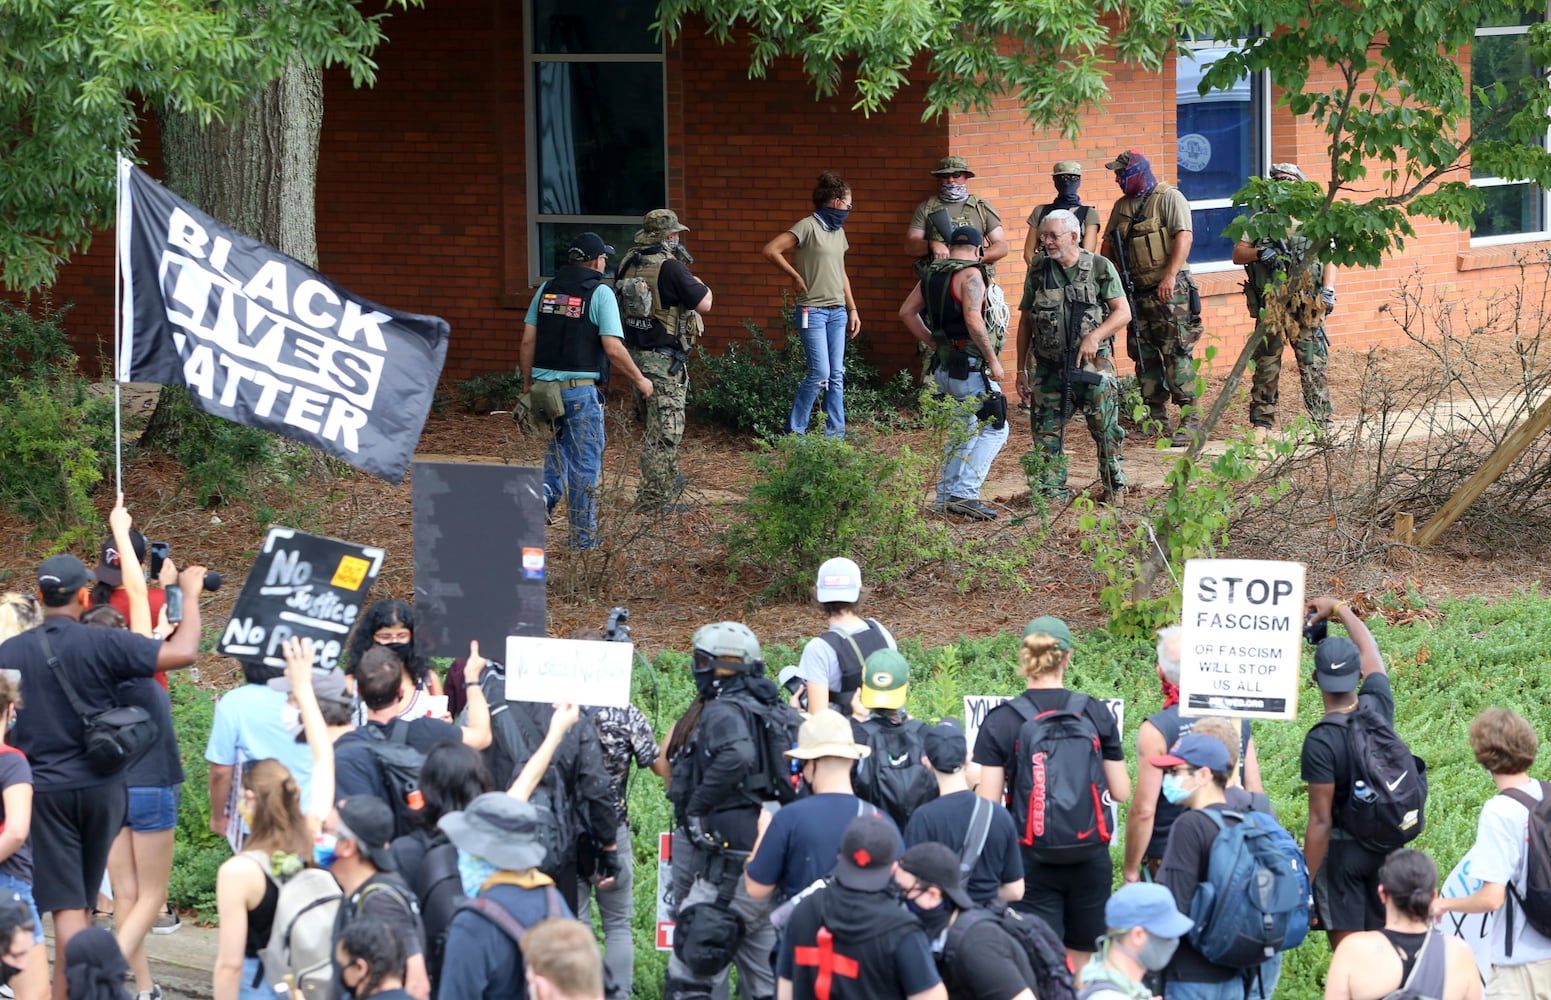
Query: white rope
{"points": [[996, 311]]}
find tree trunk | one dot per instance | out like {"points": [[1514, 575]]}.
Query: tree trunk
{"points": [[256, 172]]}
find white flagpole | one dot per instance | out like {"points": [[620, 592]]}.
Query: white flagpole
{"points": [[120, 261]]}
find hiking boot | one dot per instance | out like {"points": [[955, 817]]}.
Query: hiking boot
{"points": [[969, 507], [1189, 430], [1114, 496]]}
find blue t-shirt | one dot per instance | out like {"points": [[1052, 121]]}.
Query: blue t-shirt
{"points": [[602, 309], [946, 821], [486, 964], [803, 839], [248, 727]]}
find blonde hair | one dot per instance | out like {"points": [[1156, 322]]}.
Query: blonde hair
{"points": [[1039, 656], [1225, 731], [10, 692], [278, 823], [565, 953], [18, 613]]}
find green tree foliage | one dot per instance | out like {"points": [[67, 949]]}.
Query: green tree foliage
{"points": [[1054, 56], [74, 74]]}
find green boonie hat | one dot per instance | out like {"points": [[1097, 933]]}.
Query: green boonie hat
{"points": [[1067, 167], [885, 680], [662, 222], [953, 165], [1119, 162], [1054, 627]]}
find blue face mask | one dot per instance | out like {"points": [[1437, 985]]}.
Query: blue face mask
{"points": [[832, 218], [324, 846], [1174, 790], [473, 872]]}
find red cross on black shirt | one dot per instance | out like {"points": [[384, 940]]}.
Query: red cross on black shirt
{"points": [[828, 962]]}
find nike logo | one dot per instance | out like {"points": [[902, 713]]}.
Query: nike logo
{"points": [[1391, 784], [1085, 835]]}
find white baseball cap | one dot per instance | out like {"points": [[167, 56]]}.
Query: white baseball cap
{"points": [[839, 580]]}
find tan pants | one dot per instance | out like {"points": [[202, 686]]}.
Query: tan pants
{"points": [[1520, 982]]}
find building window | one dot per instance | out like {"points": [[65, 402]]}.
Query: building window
{"points": [[1514, 210], [597, 124], [1223, 138]]}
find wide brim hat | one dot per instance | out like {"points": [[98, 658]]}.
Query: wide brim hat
{"points": [[827, 734], [503, 830], [952, 165]]}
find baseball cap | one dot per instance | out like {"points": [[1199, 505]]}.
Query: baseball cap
{"points": [[110, 569], [788, 675], [886, 679], [965, 236], [1290, 169], [827, 734], [369, 821], [1051, 626], [867, 854], [1121, 161], [953, 165], [1337, 664], [1066, 167], [946, 745], [1195, 750], [839, 579], [937, 864], [1147, 905], [63, 574], [327, 685], [588, 246]]}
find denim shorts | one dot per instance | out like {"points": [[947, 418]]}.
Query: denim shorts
{"points": [[152, 808], [10, 883]]}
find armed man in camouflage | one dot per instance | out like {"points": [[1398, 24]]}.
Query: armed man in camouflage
{"points": [[1073, 305], [1289, 291], [953, 207], [1148, 237], [662, 305]]}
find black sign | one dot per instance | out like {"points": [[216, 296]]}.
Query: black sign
{"points": [[264, 340], [480, 564], [302, 585], [1237, 703]]}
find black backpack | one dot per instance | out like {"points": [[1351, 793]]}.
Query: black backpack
{"points": [[1385, 804], [1534, 896], [1058, 783], [398, 764], [892, 776], [1053, 978], [773, 724], [429, 863]]}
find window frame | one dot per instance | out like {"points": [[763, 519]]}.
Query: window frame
{"points": [[530, 95], [1260, 113], [1544, 230]]}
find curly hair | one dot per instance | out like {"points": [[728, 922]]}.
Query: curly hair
{"points": [[380, 615], [371, 939], [830, 186], [1503, 742]]}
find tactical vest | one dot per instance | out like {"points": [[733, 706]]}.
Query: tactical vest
{"points": [[868, 641], [969, 212], [945, 313], [1083, 213], [1055, 306], [1147, 244], [661, 330], [1261, 274], [568, 340]]}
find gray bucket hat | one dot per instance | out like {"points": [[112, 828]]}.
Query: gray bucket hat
{"points": [[505, 831]]}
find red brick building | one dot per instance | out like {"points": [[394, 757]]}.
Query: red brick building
{"points": [[498, 129]]}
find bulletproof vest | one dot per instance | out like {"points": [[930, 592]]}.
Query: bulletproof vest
{"points": [[945, 314], [568, 340], [969, 212], [868, 641], [661, 329], [1262, 274], [1055, 307], [1147, 243], [1172, 727]]}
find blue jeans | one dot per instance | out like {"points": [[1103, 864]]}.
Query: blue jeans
{"points": [[11, 883], [965, 467], [1233, 989], [824, 342], [246, 990], [573, 462], [152, 808]]}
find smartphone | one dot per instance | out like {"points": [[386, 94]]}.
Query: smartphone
{"points": [[159, 552]]}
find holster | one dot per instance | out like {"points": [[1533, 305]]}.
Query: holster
{"points": [[958, 363]]}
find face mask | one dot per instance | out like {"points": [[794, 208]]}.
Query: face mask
{"points": [[670, 243], [1157, 952], [1174, 790], [933, 921], [832, 218], [1066, 190], [291, 720], [400, 649], [705, 681], [473, 872], [347, 988], [324, 848], [952, 192]]}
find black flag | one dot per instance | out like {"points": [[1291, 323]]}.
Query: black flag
{"points": [[264, 340]]}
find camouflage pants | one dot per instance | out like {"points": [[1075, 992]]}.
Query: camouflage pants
{"points": [[1168, 332], [1312, 352], [1100, 406], [663, 414]]}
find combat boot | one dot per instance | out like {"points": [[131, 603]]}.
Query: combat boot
{"points": [[1189, 430], [1158, 419]]}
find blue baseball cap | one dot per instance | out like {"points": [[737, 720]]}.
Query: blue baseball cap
{"points": [[1147, 905], [1194, 750]]}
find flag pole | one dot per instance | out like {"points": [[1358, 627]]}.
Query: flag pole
{"points": [[118, 329]]}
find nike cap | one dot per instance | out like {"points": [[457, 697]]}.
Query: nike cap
{"points": [[1337, 665]]}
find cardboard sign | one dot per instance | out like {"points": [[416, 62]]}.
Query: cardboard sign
{"points": [[1242, 644], [568, 670], [665, 901], [300, 585], [1475, 929]]}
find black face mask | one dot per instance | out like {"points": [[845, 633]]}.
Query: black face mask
{"points": [[933, 921], [1066, 190], [403, 650], [705, 681]]}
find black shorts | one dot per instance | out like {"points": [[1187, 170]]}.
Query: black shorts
{"points": [[1070, 897], [72, 832], [1346, 889]]}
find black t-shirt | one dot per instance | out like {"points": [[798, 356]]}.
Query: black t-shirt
{"points": [[383, 896], [1000, 730], [355, 769], [14, 770], [1185, 863], [1324, 748], [162, 765], [988, 964], [48, 730], [946, 821], [891, 953]]}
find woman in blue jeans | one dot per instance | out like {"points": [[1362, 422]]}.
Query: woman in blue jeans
{"points": [[826, 314]]}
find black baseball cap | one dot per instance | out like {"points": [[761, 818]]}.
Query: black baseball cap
{"points": [[110, 569], [62, 575], [867, 854], [937, 864], [965, 236], [946, 746], [589, 246], [369, 821], [1337, 665]]}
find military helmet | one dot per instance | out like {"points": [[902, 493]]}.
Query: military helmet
{"points": [[728, 641]]}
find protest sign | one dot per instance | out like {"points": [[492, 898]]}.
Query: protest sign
{"points": [[264, 340], [1475, 929], [665, 901], [302, 585], [1242, 641], [568, 670], [479, 555]]}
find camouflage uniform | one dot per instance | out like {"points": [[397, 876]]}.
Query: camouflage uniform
{"points": [[663, 413], [1305, 329], [1100, 406]]}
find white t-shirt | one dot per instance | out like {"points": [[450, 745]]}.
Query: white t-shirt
{"points": [[820, 665], [1500, 855]]}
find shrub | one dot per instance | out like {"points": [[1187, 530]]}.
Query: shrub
{"points": [[489, 391], [197, 852]]}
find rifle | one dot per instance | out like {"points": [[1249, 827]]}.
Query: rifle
{"points": [[1133, 336]]}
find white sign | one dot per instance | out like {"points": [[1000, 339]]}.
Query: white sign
{"points": [[665, 901], [1242, 644], [568, 670], [1475, 929]]}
